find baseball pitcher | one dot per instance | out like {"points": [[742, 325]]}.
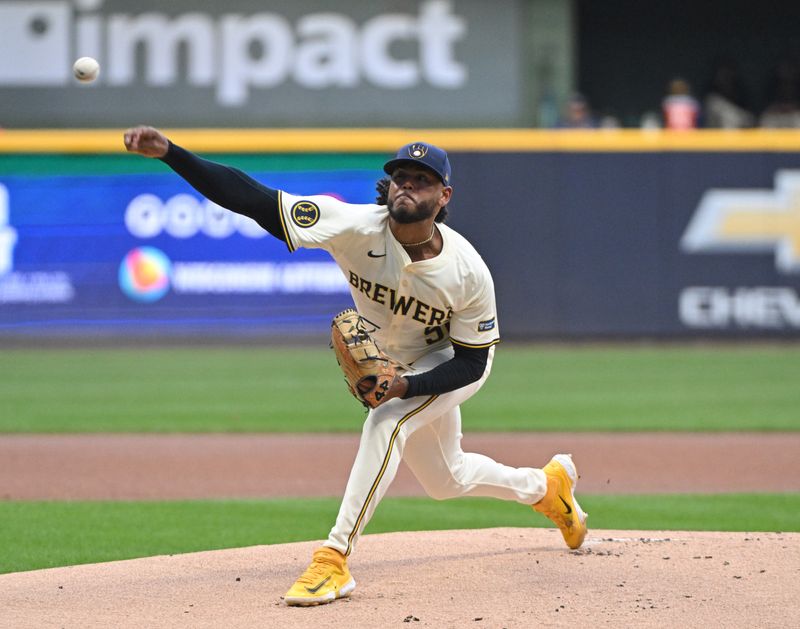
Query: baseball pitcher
{"points": [[419, 342]]}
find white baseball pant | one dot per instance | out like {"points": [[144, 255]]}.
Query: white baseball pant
{"points": [[425, 432]]}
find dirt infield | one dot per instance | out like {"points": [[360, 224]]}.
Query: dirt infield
{"points": [[152, 467], [482, 578], [495, 578]]}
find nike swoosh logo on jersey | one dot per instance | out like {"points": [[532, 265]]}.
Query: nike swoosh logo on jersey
{"points": [[316, 588], [375, 255], [566, 505]]}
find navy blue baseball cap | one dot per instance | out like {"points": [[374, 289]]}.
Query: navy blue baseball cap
{"points": [[423, 153]]}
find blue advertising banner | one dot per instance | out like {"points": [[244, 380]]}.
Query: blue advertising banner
{"points": [[617, 244], [146, 252], [692, 244]]}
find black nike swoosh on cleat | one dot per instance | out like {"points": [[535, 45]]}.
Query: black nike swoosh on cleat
{"points": [[566, 504], [375, 255], [316, 588]]}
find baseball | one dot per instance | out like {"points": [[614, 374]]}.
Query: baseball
{"points": [[86, 69]]}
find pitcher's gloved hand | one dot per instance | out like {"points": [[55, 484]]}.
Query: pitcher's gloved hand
{"points": [[370, 374]]}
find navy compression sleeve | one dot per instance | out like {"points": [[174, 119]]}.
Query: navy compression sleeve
{"points": [[466, 366], [228, 187]]}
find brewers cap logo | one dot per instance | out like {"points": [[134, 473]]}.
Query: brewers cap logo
{"points": [[305, 213], [417, 151]]}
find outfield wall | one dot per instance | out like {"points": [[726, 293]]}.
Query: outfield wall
{"points": [[598, 234]]}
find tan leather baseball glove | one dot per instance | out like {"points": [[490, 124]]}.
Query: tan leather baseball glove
{"points": [[369, 372]]}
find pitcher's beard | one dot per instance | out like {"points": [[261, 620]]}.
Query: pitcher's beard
{"points": [[419, 212]]}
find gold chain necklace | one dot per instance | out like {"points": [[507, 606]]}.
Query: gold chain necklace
{"points": [[421, 242]]}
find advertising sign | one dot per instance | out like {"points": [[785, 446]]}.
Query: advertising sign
{"points": [[622, 244], [742, 221], [243, 63], [146, 252], [580, 245]]}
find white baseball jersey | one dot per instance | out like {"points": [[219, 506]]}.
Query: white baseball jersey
{"points": [[416, 307]]}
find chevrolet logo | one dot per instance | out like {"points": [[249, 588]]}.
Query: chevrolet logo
{"points": [[750, 221]]}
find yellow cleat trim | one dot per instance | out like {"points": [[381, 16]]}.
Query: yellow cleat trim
{"points": [[326, 579], [559, 503]]}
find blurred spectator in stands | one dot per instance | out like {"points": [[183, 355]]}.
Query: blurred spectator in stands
{"points": [[608, 121], [783, 97], [679, 108], [577, 114], [650, 120], [726, 105]]}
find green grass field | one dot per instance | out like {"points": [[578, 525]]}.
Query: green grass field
{"points": [[48, 534], [242, 389], [261, 389]]}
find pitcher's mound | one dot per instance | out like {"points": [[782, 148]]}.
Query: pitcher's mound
{"points": [[505, 577]]}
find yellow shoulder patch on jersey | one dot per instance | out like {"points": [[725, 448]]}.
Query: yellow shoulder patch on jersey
{"points": [[305, 214]]}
